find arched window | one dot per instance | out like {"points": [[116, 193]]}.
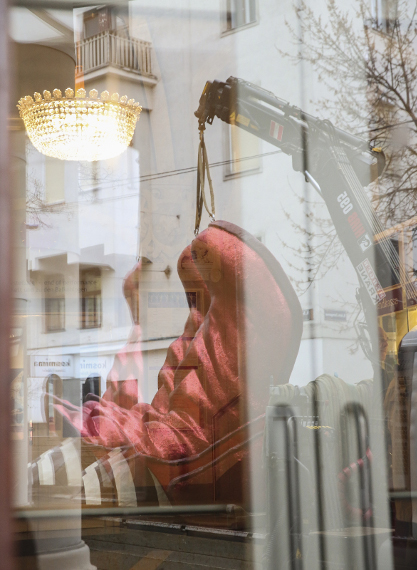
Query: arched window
{"points": [[53, 388], [91, 386]]}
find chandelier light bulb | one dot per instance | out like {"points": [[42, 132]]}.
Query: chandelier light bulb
{"points": [[81, 127]]}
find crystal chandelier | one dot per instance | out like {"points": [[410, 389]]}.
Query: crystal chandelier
{"points": [[80, 127]]}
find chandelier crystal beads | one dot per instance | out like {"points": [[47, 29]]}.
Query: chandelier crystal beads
{"points": [[79, 128]]}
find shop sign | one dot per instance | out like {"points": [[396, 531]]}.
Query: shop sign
{"points": [[332, 315], [167, 300], [308, 314], [41, 366], [99, 365], [392, 302]]}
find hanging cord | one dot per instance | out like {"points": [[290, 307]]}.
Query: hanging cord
{"points": [[202, 169]]}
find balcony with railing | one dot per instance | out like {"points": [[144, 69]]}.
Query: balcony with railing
{"points": [[108, 48]]}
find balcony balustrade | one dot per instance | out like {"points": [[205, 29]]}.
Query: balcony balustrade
{"points": [[108, 48]]}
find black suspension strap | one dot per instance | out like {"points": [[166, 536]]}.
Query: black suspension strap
{"points": [[202, 170]]}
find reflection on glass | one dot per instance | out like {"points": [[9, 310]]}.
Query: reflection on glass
{"points": [[242, 395]]}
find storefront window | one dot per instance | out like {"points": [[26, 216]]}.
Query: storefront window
{"points": [[208, 290], [91, 387]]}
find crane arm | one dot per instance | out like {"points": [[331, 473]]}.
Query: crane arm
{"points": [[339, 165]]}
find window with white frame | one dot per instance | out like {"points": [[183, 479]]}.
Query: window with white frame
{"points": [[54, 299], [242, 151], [384, 14], [90, 293], [240, 13]]}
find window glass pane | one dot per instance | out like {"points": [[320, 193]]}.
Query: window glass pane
{"points": [[243, 151], [54, 180], [213, 348], [90, 287], [54, 289], [240, 13]]}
